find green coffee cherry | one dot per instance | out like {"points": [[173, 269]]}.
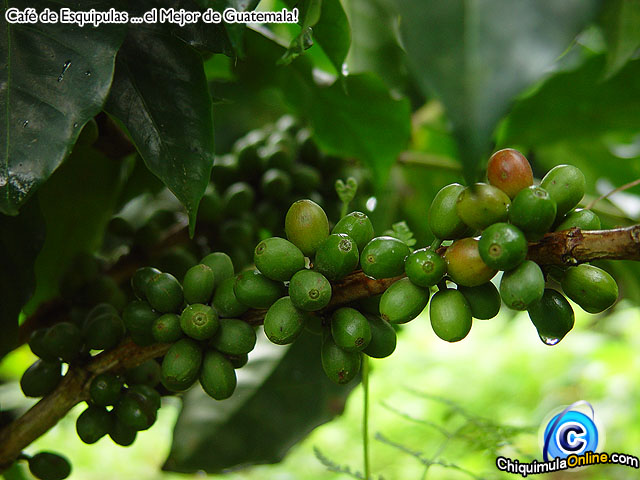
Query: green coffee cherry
{"points": [[148, 397], [523, 286], [583, 219], [450, 315], [49, 466], [93, 424], [63, 340], [350, 329], [305, 178], [225, 301], [510, 171], [590, 287], [425, 268], [383, 257], [275, 183], [210, 208], [484, 300], [134, 412], [502, 246], [234, 337], [238, 361], [164, 293], [309, 290], [147, 373], [444, 221], [254, 290], [176, 261], [105, 389], [552, 316], [120, 433], [464, 264], [306, 226], [481, 205], [278, 259], [181, 365], [358, 226], [140, 280], [383, 338], [199, 321], [403, 301], [370, 304], [283, 323], [533, 211], [238, 198], [41, 378], [566, 186], [339, 365], [138, 317], [38, 346], [103, 331], [225, 170], [218, 377], [336, 256], [221, 265], [198, 284], [167, 329]]}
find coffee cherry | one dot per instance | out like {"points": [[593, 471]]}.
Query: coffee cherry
{"points": [[221, 265], [383, 257], [105, 389], [306, 226], [140, 280], [181, 365], [210, 208], [225, 170], [464, 264], [450, 315], [444, 221], [481, 205], [199, 321], [278, 259], [358, 226], [135, 412], [63, 340], [336, 256], [234, 337], [305, 178], [138, 317], [120, 433], [167, 329], [590, 287], [93, 424], [237, 199], [583, 219], [283, 323], [370, 304], [510, 171], [552, 316], [383, 338], [566, 186], [198, 284], [533, 211], [41, 378], [484, 300], [225, 301], [147, 373], [403, 301], [49, 466], [164, 293], [238, 361], [275, 184], [38, 345], [425, 268], [339, 365], [218, 377], [523, 286], [103, 331], [309, 291], [255, 290], [350, 329], [502, 246], [176, 261]]}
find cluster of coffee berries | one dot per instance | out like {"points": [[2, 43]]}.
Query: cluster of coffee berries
{"points": [[506, 213]]}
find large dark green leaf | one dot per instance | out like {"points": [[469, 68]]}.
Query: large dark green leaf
{"points": [[279, 400], [21, 240], [77, 203], [161, 97], [476, 56], [621, 27], [57, 77], [235, 31]]}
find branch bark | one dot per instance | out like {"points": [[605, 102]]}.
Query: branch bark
{"points": [[569, 247]]}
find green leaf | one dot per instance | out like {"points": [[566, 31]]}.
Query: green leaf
{"points": [[621, 28], [57, 77], [77, 204], [476, 56], [160, 96], [21, 240], [282, 395]]}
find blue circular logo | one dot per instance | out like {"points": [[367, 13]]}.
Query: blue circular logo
{"points": [[571, 432]]}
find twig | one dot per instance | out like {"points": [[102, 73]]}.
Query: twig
{"points": [[626, 186]]}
